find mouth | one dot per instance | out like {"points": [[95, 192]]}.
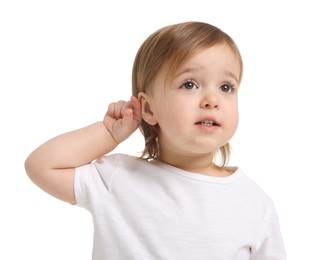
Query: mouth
{"points": [[208, 122]]}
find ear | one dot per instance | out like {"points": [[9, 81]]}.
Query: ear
{"points": [[146, 109]]}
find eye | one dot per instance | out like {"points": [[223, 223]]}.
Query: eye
{"points": [[189, 84], [226, 88]]}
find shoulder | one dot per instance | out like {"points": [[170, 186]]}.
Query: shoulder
{"points": [[109, 167], [256, 196], [119, 162], [252, 186]]}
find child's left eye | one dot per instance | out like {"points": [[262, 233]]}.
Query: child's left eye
{"points": [[226, 88], [190, 84]]}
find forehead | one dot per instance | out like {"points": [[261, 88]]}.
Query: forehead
{"points": [[221, 56]]}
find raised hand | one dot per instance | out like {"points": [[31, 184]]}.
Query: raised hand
{"points": [[123, 118]]}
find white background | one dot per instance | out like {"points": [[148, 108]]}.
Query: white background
{"points": [[63, 62]]}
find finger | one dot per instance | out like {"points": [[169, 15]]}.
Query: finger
{"points": [[126, 106], [128, 120], [111, 109], [119, 109]]}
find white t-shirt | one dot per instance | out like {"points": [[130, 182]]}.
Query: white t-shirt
{"points": [[150, 210]]}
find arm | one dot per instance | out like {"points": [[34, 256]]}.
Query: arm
{"points": [[52, 165]]}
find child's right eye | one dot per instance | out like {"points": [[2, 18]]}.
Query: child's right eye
{"points": [[189, 84]]}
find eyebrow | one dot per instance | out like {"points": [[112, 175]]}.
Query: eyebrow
{"points": [[187, 69], [232, 75], [190, 69]]}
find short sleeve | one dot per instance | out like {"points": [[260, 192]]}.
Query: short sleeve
{"points": [[81, 185], [92, 181], [270, 244]]}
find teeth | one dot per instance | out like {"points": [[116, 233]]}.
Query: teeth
{"points": [[207, 122]]}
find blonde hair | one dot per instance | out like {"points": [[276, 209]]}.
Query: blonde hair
{"points": [[172, 46]]}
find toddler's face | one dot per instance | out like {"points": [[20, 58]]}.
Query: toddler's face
{"points": [[197, 111]]}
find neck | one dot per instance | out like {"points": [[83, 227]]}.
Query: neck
{"points": [[200, 164]]}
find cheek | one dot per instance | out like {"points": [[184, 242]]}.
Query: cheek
{"points": [[232, 113], [172, 115], [234, 117]]}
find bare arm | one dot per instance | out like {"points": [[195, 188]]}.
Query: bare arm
{"points": [[51, 166]]}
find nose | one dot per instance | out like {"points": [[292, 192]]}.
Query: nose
{"points": [[210, 101]]}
